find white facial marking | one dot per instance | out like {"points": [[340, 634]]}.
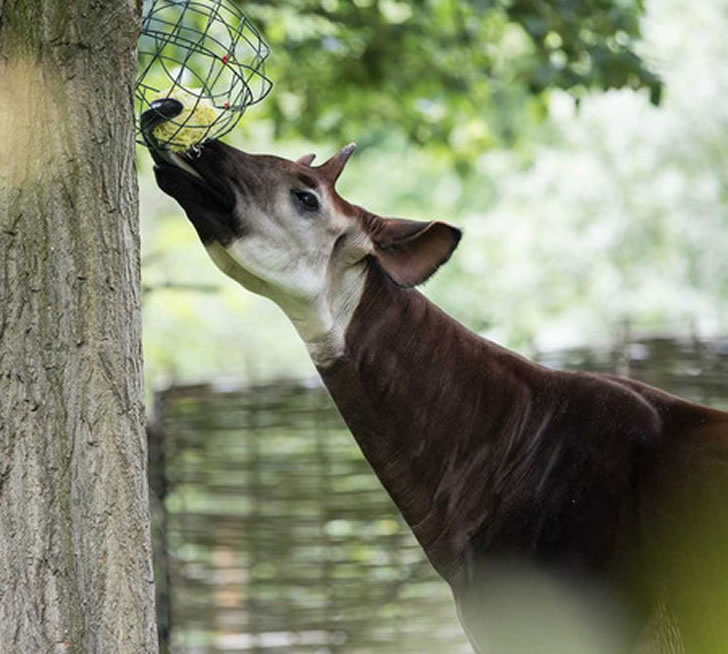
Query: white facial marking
{"points": [[291, 259]]}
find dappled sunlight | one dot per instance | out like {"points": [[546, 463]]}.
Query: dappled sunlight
{"points": [[33, 108]]}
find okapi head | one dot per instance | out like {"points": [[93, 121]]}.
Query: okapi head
{"points": [[280, 229]]}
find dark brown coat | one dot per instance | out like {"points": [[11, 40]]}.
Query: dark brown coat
{"points": [[492, 458]]}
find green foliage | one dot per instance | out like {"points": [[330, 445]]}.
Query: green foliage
{"points": [[583, 44], [456, 74]]}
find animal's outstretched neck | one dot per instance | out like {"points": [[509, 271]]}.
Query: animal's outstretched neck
{"points": [[407, 372]]}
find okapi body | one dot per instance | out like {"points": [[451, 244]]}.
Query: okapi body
{"points": [[493, 460]]}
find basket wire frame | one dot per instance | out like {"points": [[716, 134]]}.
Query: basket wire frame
{"points": [[208, 50]]}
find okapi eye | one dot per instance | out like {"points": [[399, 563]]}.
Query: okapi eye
{"points": [[306, 200]]}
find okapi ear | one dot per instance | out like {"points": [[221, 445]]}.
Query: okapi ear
{"points": [[333, 167], [410, 251], [306, 159]]}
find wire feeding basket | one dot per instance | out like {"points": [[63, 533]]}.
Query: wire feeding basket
{"points": [[206, 51]]}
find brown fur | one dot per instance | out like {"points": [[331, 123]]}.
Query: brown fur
{"points": [[491, 457]]}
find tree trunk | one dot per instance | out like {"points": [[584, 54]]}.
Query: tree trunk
{"points": [[75, 560]]}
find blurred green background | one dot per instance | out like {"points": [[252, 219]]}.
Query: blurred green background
{"points": [[581, 145]]}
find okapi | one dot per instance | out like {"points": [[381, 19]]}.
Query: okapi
{"points": [[493, 460]]}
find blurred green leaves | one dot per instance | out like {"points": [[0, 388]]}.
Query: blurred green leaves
{"points": [[460, 75]]}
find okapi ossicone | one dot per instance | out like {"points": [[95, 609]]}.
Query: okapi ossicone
{"points": [[493, 460]]}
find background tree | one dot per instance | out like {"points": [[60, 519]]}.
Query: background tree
{"points": [[75, 570]]}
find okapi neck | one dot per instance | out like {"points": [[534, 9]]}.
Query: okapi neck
{"points": [[424, 397]]}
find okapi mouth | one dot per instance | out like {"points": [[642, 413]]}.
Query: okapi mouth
{"points": [[206, 198], [181, 176]]}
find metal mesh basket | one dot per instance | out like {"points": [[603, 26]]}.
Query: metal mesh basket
{"points": [[209, 51]]}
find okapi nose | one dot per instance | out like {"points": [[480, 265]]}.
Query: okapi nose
{"points": [[159, 111]]}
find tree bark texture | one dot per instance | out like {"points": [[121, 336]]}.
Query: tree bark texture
{"points": [[75, 559]]}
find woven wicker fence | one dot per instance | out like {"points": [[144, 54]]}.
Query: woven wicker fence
{"points": [[272, 535]]}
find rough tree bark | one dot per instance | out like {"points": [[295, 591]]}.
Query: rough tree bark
{"points": [[75, 560]]}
